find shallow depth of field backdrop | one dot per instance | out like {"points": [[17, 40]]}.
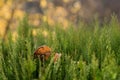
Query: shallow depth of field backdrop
{"points": [[85, 32]]}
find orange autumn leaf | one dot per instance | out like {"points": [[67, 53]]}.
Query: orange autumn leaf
{"points": [[42, 52]]}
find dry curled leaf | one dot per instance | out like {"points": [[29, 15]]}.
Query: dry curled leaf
{"points": [[56, 57]]}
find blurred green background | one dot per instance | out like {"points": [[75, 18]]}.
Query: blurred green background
{"points": [[64, 12]]}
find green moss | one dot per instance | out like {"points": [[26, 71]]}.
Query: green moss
{"points": [[89, 52]]}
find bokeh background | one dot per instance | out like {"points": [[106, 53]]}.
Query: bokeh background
{"points": [[64, 12]]}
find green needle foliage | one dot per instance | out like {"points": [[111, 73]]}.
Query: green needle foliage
{"points": [[89, 52]]}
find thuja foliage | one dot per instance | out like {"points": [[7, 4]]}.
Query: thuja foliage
{"points": [[89, 52]]}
